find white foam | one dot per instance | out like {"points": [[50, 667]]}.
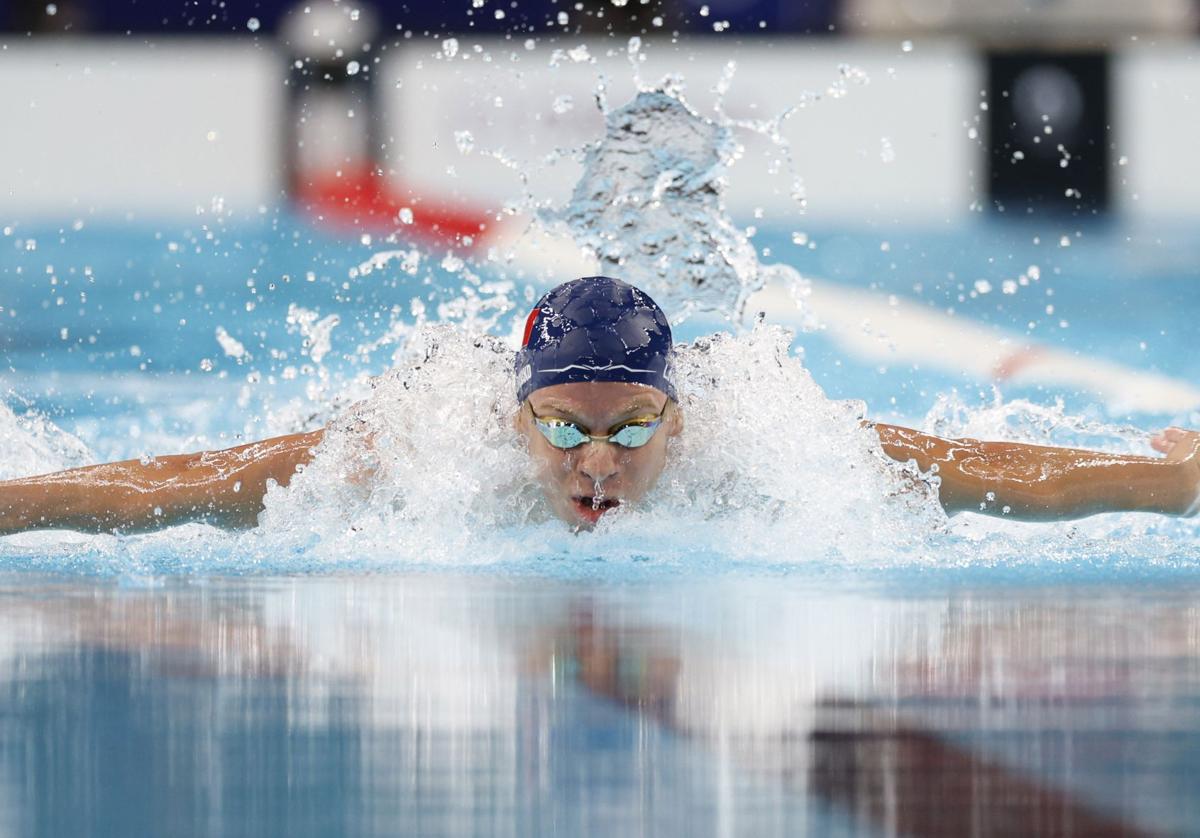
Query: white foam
{"points": [[32, 444], [766, 462]]}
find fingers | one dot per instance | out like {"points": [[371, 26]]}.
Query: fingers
{"points": [[1176, 442], [1165, 440]]}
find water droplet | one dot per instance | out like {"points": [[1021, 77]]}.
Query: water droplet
{"points": [[563, 104], [405, 215], [352, 68], [51, 9], [465, 141], [982, 286], [906, 46], [704, 11], [1122, 160], [253, 24], [563, 19], [1065, 241], [450, 47]]}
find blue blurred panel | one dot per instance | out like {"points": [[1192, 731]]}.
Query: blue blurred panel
{"points": [[791, 16], [187, 16], [143, 16], [523, 17]]}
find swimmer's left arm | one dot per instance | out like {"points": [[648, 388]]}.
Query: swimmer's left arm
{"points": [[1043, 483]]}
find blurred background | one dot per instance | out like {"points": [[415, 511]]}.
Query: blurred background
{"points": [[952, 106], [1011, 186]]}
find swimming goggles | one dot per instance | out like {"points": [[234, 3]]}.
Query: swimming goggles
{"points": [[565, 435]]}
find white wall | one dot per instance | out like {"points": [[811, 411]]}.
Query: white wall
{"points": [[110, 126], [886, 143], [1156, 114]]}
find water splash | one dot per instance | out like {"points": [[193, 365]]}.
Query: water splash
{"points": [[425, 468], [32, 444], [649, 205], [452, 483]]}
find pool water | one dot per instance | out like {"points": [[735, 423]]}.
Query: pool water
{"points": [[160, 685], [444, 704]]}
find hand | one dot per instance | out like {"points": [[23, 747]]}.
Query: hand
{"points": [[1183, 447]]}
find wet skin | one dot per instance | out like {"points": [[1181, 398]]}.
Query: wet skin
{"points": [[226, 488], [583, 483]]}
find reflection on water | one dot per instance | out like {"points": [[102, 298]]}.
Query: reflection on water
{"points": [[433, 704]]}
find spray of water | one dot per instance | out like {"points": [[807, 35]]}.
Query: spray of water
{"points": [[32, 443], [426, 468], [650, 207], [429, 469]]}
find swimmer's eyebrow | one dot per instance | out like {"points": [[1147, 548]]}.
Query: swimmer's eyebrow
{"points": [[639, 405], [633, 408]]}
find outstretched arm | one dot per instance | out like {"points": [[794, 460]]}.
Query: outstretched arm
{"points": [[224, 488], [1041, 483]]}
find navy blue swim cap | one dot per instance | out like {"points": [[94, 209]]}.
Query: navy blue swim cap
{"points": [[595, 329]]}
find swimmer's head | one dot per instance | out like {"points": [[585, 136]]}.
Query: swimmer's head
{"points": [[595, 329], [596, 362]]}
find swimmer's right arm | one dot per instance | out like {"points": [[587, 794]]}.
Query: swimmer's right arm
{"points": [[223, 488]]}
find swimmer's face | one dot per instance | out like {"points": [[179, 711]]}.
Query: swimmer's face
{"points": [[584, 483]]}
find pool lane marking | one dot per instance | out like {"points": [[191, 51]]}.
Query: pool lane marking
{"points": [[883, 328]]}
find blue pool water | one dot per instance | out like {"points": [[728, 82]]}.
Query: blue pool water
{"points": [[198, 684]]}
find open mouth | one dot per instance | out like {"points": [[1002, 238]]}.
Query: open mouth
{"points": [[591, 508]]}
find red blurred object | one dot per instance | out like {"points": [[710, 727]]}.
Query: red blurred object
{"points": [[365, 200]]}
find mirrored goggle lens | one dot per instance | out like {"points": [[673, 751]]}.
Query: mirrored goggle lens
{"points": [[634, 436], [562, 434]]}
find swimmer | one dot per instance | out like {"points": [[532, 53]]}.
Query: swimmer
{"points": [[597, 409]]}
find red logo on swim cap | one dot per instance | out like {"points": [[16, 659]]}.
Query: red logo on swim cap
{"points": [[529, 326]]}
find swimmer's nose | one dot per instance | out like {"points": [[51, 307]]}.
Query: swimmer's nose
{"points": [[598, 461]]}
